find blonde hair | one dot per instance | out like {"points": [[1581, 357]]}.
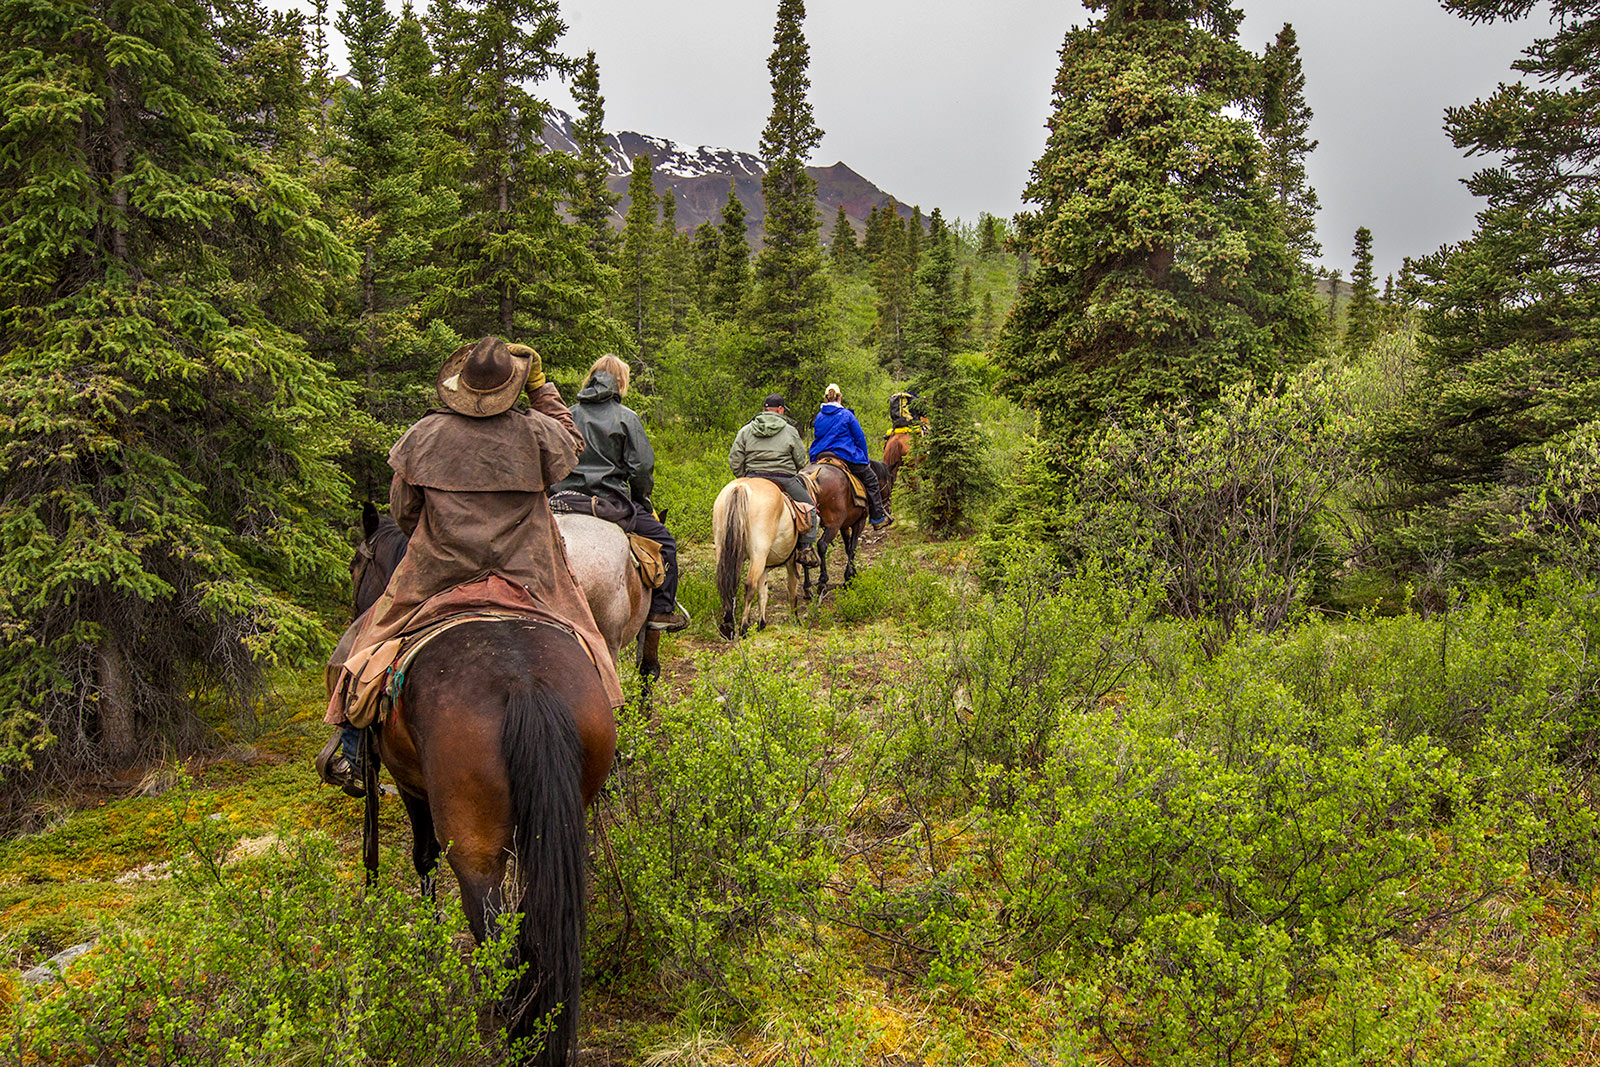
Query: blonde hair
{"points": [[832, 394], [614, 367]]}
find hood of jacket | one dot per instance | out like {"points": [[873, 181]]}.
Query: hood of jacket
{"points": [[602, 387], [768, 423]]}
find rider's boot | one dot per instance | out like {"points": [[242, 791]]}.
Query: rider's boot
{"points": [[806, 553], [339, 762]]}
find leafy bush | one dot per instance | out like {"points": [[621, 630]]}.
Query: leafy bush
{"points": [[1221, 505], [269, 960], [720, 816]]}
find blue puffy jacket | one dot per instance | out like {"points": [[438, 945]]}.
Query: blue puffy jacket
{"points": [[836, 430]]}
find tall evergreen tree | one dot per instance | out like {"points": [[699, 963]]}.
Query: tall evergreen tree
{"points": [[842, 243], [1509, 321], [791, 291], [1285, 120], [641, 260], [675, 269], [965, 300], [892, 277], [950, 472], [988, 236], [732, 279], [703, 256], [593, 203], [165, 444], [1162, 271], [387, 211], [1335, 278], [872, 237], [1361, 318], [517, 267], [915, 228]]}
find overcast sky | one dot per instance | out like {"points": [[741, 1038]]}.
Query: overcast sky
{"points": [[943, 102]]}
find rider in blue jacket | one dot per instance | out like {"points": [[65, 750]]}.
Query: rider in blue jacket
{"points": [[836, 430]]}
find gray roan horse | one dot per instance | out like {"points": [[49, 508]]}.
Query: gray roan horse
{"points": [[603, 564]]}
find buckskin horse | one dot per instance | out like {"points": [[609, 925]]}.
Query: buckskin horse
{"points": [[502, 734], [840, 518], [750, 521]]}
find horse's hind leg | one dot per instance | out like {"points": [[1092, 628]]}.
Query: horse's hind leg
{"points": [[424, 845]]}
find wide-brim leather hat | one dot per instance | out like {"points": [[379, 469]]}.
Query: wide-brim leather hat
{"points": [[484, 378]]}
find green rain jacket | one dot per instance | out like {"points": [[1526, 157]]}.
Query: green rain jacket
{"points": [[767, 443]]}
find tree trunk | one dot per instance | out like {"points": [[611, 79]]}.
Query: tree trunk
{"points": [[118, 737]]}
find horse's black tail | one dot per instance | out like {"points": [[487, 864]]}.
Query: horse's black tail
{"points": [[730, 556], [544, 758]]}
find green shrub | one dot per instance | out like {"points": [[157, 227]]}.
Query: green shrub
{"points": [[721, 815], [271, 960]]}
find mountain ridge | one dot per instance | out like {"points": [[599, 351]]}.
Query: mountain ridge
{"points": [[700, 177]]}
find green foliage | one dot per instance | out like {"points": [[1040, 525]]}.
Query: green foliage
{"points": [[513, 266], [592, 201], [640, 260], [1363, 315], [1285, 119], [720, 821], [731, 280], [1509, 315], [1220, 507], [790, 302], [166, 444], [263, 960], [1163, 272]]}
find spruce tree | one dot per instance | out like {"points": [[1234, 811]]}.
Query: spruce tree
{"points": [[1160, 268], [387, 209], [950, 472], [1285, 120], [675, 269], [1508, 320], [966, 300], [1334, 280], [704, 252], [593, 202], [842, 243], [165, 444], [1361, 318], [732, 279], [517, 267], [986, 317], [872, 237], [640, 260], [791, 291], [988, 236], [915, 228], [893, 280]]}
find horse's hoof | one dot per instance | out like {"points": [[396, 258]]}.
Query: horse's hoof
{"points": [[762, 625], [652, 671]]}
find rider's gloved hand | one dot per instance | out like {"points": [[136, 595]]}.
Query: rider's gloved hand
{"points": [[536, 378]]}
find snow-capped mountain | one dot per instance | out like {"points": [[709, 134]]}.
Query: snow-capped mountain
{"points": [[700, 178]]}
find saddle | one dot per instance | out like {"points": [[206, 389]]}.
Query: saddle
{"points": [[375, 675], [646, 553], [857, 488]]}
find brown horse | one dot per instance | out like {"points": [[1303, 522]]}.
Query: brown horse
{"points": [[896, 451], [501, 735], [750, 522], [840, 518]]}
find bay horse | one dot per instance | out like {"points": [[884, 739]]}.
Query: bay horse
{"points": [[897, 449], [502, 734], [840, 518], [750, 523]]}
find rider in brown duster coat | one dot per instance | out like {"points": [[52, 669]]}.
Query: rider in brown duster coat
{"points": [[469, 490]]}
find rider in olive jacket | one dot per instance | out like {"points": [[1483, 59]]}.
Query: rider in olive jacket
{"points": [[770, 447]]}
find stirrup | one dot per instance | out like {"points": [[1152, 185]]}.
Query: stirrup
{"points": [[334, 768]]}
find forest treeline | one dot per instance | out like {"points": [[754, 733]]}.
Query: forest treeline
{"points": [[229, 275]]}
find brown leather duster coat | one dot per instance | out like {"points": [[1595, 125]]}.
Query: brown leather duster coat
{"points": [[470, 493]]}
